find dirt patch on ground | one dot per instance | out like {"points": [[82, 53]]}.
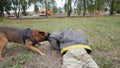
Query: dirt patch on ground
{"points": [[52, 58]]}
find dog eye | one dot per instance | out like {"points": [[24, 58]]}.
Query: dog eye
{"points": [[42, 33]]}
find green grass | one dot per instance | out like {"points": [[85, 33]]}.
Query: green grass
{"points": [[102, 32], [16, 61]]}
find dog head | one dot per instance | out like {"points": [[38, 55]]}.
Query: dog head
{"points": [[39, 36]]}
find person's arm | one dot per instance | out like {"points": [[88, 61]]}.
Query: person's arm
{"points": [[54, 43], [54, 40]]}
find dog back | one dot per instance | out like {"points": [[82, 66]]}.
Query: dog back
{"points": [[12, 34]]}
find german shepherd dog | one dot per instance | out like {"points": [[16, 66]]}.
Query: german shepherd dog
{"points": [[23, 36]]}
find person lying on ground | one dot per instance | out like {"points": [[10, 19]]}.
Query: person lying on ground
{"points": [[74, 47]]}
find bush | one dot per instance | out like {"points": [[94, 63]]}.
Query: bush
{"points": [[118, 10], [24, 13], [54, 9]]}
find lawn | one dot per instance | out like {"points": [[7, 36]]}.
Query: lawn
{"points": [[103, 34]]}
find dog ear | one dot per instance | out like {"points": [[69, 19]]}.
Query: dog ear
{"points": [[42, 33]]}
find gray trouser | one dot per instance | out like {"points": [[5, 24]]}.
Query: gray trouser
{"points": [[78, 58]]}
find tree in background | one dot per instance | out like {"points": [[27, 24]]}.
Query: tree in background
{"points": [[24, 7], [99, 4], [102, 4], [5, 5], [84, 7], [65, 7], [91, 6], [36, 9], [54, 9], [117, 6], [79, 7], [48, 4], [19, 6], [114, 6], [111, 7], [16, 7], [68, 7], [34, 2]]}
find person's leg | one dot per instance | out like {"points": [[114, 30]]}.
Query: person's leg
{"points": [[78, 58]]}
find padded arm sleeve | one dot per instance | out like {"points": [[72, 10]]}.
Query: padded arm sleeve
{"points": [[54, 43]]}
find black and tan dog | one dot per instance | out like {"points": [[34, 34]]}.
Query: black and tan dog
{"points": [[24, 36]]}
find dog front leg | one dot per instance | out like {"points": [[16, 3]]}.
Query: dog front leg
{"points": [[29, 45], [1, 56], [3, 43]]}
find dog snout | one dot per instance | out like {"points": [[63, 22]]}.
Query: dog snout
{"points": [[47, 33]]}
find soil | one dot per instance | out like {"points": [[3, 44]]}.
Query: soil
{"points": [[52, 58]]}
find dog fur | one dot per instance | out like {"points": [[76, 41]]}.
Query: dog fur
{"points": [[9, 34]]}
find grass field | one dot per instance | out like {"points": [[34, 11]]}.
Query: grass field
{"points": [[102, 32]]}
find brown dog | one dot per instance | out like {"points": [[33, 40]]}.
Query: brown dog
{"points": [[27, 36]]}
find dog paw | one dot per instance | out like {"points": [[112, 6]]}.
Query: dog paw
{"points": [[42, 54]]}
